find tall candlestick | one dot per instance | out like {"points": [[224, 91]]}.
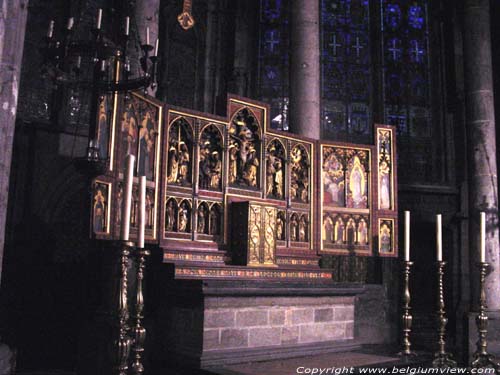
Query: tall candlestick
{"points": [[156, 47], [147, 35], [99, 19], [142, 211], [50, 31], [127, 25], [439, 239], [127, 197], [407, 236], [482, 238], [71, 22]]}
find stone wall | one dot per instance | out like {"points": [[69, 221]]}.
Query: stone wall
{"points": [[276, 321]]}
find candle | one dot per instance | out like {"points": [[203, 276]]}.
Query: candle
{"points": [[127, 197], [147, 35], [156, 47], [99, 18], [407, 236], [103, 66], [127, 25], [50, 32], [482, 238], [71, 22], [142, 211], [439, 239], [78, 62]]}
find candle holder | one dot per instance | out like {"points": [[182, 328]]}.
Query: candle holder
{"points": [[442, 358], [138, 331], [481, 358], [406, 317], [122, 343]]}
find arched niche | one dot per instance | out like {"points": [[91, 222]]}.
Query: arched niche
{"points": [[275, 169], [211, 158], [180, 153], [299, 174], [244, 150]]}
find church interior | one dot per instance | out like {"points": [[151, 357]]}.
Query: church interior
{"points": [[248, 186]]}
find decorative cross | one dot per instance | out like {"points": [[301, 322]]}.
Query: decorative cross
{"points": [[357, 47], [417, 51], [271, 41], [334, 44], [186, 19], [394, 50]]}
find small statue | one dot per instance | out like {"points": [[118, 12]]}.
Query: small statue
{"points": [[170, 219], [233, 163], [293, 229], [183, 218], [303, 229], [201, 219], [173, 164], [183, 163], [215, 171], [250, 173], [279, 227], [214, 222], [278, 179], [270, 174]]}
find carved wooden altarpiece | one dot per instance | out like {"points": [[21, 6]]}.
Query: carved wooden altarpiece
{"points": [[320, 197]]}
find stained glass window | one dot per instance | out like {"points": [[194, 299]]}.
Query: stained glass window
{"points": [[273, 59], [346, 73]]}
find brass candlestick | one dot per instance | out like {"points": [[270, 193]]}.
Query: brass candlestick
{"points": [[123, 342], [481, 357], [138, 331], [442, 358], [406, 317]]}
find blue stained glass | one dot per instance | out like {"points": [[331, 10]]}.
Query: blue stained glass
{"points": [[358, 119], [416, 51], [272, 40], [392, 16], [271, 9], [393, 49], [416, 17]]}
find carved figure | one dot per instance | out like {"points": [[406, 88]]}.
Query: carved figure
{"points": [[99, 212], [183, 218], [279, 190], [173, 164], [170, 217], [293, 228], [215, 170], [201, 219], [270, 174], [251, 167], [183, 163], [214, 222], [280, 223], [233, 163], [303, 229]]}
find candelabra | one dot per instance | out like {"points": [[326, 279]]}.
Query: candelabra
{"points": [[406, 317], [138, 331], [122, 342], [441, 357], [99, 66], [481, 357]]}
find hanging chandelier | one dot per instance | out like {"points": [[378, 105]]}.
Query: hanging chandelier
{"points": [[99, 65]]}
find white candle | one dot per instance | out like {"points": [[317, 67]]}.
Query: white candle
{"points": [[439, 238], [71, 22], [99, 18], [127, 197], [156, 47], [50, 32], [142, 211], [407, 236], [127, 25], [147, 35], [482, 238]]}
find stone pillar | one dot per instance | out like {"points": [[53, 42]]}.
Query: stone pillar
{"points": [[210, 56], [480, 123], [147, 14], [305, 68], [13, 15]]}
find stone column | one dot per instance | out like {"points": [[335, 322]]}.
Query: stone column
{"points": [[147, 14], [13, 15], [480, 123], [305, 69], [210, 57]]}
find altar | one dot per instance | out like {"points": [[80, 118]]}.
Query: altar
{"points": [[240, 215]]}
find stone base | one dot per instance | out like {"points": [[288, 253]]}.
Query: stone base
{"points": [[216, 322], [493, 334]]}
